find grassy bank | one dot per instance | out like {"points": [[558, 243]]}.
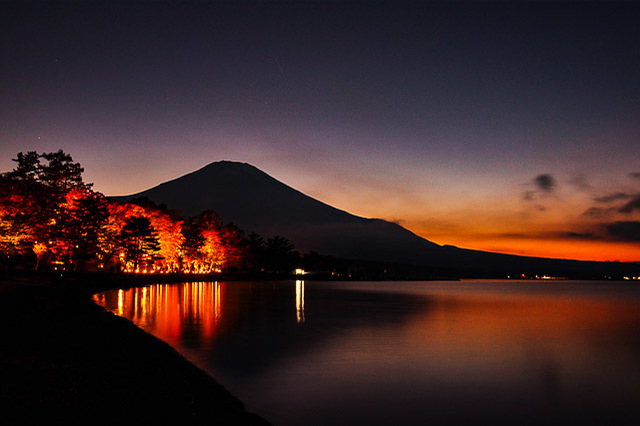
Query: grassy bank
{"points": [[63, 358]]}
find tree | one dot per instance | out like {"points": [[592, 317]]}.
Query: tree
{"points": [[60, 173], [212, 252], [32, 198], [21, 197], [235, 246], [138, 240], [203, 245], [192, 242], [256, 251], [79, 225], [280, 254]]}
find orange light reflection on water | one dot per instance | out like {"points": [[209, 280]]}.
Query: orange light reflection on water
{"points": [[300, 301], [165, 308], [500, 337]]}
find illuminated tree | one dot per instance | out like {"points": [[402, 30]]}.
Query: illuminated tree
{"points": [[212, 252], [39, 249], [235, 247], [108, 239], [20, 209], [168, 227], [192, 239], [202, 247], [79, 223], [32, 197], [47, 213], [16, 226], [169, 233], [138, 240]]}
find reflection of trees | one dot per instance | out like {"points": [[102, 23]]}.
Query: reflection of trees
{"points": [[248, 326], [264, 323], [176, 313]]}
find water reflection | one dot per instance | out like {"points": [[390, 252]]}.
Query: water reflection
{"points": [[300, 300], [169, 310], [407, 353]]}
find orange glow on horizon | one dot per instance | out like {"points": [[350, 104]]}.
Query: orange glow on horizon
{"points": [[532, 241], [605, 251]]}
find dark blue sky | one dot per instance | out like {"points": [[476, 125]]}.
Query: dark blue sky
{"points": [[426, 113]]}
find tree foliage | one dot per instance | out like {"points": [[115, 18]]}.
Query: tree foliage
{"points": [[51, 218], [34, 208], [138, 240]]}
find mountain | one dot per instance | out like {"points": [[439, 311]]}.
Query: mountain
{"points": [[256, 202]]}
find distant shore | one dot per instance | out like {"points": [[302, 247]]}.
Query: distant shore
{"points": [[64, 358]]}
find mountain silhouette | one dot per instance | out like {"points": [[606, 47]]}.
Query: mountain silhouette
{"points": [[256, 202]]}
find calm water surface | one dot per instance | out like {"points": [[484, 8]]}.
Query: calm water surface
{"points": [[407, 353]]}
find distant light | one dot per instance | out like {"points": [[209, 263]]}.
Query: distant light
{"points": [[300, 271]]}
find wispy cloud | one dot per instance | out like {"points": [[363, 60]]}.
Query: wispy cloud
{"points": [[626, 231], [631, 206], [610, 198], [620, 231], [635, 175], [599, 212], [580, 182], [582, 236]]}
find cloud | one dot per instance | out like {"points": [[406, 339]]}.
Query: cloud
{"points": [[624, 231], [631, 205], [580, 182], [594, 234], [635, 175], [599, 212], [545, 183], [619, 231], [582, 236], [400, 222], [610, 198]]}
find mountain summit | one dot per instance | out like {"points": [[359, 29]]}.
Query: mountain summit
{"points": [[256, 202]]}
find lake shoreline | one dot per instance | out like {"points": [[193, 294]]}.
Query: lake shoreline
{"points": [[65, 358]]}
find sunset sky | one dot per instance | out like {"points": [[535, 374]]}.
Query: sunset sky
{"points": [[510, 127]]}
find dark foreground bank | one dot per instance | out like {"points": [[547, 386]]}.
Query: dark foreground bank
{"points": [[63, 358]]}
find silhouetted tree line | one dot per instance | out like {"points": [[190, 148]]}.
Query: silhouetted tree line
{"points": [[51, 219]]}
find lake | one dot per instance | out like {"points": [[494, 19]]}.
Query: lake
{"points": [[407, 353]]}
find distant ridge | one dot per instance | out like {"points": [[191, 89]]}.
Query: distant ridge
{"points": [[256, 202]]}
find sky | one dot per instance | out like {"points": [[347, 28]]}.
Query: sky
{"points": [[507, 127]]}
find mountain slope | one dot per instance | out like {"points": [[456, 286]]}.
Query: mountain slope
{"points": [[256, 202]]}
